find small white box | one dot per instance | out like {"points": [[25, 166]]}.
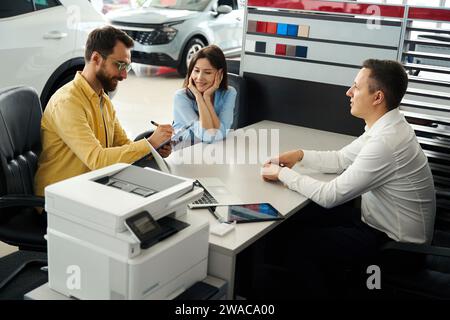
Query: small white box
{"points": [[221, 229]]}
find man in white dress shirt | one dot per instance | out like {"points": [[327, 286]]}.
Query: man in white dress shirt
{"points": [[385, 166]]}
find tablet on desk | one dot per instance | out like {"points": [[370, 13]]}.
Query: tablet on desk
{"points": [[241, 213]]}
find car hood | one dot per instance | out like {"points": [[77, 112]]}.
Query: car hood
{"points": [[150, 15]]}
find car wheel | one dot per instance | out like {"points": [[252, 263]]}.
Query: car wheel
{"points": [[193, 46], [67, 78], [62, 80]]}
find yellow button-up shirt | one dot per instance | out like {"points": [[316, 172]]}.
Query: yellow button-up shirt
{"points": [[78, 135]]}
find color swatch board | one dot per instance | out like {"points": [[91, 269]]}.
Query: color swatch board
{"points": [[324, 48]]}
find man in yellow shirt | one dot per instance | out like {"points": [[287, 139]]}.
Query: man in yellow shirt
{"points": [[80, 131]]}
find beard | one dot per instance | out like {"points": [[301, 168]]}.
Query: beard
{"points": [[108, 83]]}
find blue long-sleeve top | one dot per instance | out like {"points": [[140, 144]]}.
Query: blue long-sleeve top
{"points": [[185, 112]]}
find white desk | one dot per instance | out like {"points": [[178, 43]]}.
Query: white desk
{"points": [[245, 181]]}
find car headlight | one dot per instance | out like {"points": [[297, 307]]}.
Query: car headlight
{"points": [[164, 35], [159, 35], [167, 33]]}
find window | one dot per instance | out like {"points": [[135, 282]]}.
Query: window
{"points": [[231, 3], [11, 8], [194, 5], [45, 4]]}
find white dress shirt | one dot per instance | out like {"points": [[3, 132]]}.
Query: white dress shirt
{"points": [[387, 166]]}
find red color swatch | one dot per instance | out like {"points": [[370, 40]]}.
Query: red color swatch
{"points": [[261, 26], [280, 49], [271, 27]]}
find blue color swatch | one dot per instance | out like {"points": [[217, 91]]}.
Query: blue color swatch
{"points": [[301, 51], [292, 30], [282, 29]]}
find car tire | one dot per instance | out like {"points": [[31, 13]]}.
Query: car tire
{"points": [[192, 47], [62, 80]]}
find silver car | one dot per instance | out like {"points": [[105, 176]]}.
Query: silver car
{"points": [[170, 32], [42, 42]]}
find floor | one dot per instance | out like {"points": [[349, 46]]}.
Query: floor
{"points": [[144, 96], [6, 249]]}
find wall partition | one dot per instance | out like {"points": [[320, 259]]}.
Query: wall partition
{"points": [[300, 57]]}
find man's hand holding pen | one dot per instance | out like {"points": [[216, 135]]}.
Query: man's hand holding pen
{"points": [[162, 133]]}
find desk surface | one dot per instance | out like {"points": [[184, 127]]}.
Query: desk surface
{"points": [[245, 180]]}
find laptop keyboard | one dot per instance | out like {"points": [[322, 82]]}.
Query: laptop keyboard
{"points": [[207, 198]]}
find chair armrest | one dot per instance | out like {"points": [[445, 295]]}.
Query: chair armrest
{"points": [[21, 200], [143, 135], [417, 248]]}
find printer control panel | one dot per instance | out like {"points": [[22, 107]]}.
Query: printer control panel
{"points": [[127, 186], [148, 231]]}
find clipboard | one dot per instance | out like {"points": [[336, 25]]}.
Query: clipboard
{"points": [[176, 137]]}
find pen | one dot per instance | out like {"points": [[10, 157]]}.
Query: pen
{"points": [[154, 123]]}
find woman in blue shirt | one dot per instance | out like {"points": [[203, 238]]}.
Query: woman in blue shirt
{"points": [[205, 101]]}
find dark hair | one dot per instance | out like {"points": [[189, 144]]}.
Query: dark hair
{"points": [[215, 57], [103, 40], [388, 76]]}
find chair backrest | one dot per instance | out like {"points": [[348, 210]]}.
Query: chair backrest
{"points": [[20, 141], [233, 66], [143, 135], [240, 116], [20, 146]]}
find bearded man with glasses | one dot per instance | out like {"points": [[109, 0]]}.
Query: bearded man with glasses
{"points": [[80, 131]]}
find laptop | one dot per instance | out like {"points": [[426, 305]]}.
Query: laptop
{"points": [[215, 192]]}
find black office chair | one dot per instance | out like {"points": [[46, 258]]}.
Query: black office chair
{"points": [[240, 117], [20, 145], [233, 66], [143, 135], [21, 272], [428, 278]]}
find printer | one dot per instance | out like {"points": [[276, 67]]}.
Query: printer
{"points": [[122, 232]]}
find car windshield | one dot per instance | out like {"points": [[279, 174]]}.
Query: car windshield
{"points": [[194, 5]]}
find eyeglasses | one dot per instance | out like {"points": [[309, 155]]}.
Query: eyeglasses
{"points": [[122, 66]]}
